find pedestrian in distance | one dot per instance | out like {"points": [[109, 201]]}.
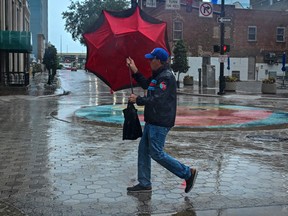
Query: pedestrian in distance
{"points": [[159, 115]]}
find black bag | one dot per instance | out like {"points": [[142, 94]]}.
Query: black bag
{"points": [[131, 128]]}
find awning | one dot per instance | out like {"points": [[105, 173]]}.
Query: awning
{"points": [[15, 41]]}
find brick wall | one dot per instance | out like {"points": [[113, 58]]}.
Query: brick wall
{"points": [[200, 34]]}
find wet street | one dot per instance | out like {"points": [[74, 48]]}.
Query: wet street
{"points": [[53, 162]]}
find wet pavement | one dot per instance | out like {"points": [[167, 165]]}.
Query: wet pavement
{"points": [[53, 163]]}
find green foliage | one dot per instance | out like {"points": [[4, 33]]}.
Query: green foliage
{"points": [[180, 61], [50, 59], [36, 67], [231, 79], [81, 15], [187, 77], [269, 80]]}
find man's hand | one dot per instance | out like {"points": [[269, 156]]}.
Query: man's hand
{"points": [[132, 98], [130, 63]]}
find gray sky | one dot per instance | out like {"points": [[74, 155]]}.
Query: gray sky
{"points": [[57, 31]]}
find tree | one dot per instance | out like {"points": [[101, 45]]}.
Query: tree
{"points": [[81, 15], [50, 61], [180, 61]]}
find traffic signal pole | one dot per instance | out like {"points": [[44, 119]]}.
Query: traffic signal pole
{"points": [[222, 32]]}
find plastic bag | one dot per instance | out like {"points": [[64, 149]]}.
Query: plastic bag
{"points": [[132, 128]]}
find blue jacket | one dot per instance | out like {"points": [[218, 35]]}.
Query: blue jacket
{"points": [[160, 102]]}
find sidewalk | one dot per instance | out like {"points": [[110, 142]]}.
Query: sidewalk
{"points": [[243, 88], [37, 87], [51, 167]]}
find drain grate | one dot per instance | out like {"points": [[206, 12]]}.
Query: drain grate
{"points": [[267, 138]]}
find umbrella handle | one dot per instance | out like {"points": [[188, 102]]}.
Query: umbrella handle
{"points": [[131, 85]]}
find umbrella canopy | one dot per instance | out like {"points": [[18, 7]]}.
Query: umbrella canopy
{"points": [[118, 35]]}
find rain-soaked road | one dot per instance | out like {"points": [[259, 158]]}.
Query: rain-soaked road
{"points": [[53, 163]]}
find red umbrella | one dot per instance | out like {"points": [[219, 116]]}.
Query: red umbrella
{"points": [[118, 35]]}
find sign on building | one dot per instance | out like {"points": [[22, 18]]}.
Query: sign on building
{"points": [[172, 4], [151, 3], [206, 9]]}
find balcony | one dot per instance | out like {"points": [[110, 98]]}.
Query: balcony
{"points": [[15, 41]]}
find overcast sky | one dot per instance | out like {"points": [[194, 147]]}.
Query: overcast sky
{"points": [[56, 29]]}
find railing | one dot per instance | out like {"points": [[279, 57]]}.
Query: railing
{"points": [[17, 78]]}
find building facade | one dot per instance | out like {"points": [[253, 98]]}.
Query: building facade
{"points": [[258, 35], [278, 5], [39, 27], [15, 42]]}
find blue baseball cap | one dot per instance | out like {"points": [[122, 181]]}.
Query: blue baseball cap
{"points": [[158, 53]]}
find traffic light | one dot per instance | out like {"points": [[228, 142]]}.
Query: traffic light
{"points": [[226, 48], [189, 6], [216, 48]]}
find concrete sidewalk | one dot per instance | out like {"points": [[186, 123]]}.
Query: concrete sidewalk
{"points": [[243, 88], [53, 167]]}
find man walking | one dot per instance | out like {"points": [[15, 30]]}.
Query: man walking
{"points": [[159, 116]]}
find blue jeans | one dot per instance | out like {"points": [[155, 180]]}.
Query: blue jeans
{"points": [[151, 146]]}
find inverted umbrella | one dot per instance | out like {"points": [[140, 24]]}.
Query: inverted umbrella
{"points": [[118, 35]]}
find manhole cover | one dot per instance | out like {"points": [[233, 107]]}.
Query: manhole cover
{"points": [[267, 138]]}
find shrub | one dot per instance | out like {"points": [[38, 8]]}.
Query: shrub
{"points": [[269, 80], [230, 79]]}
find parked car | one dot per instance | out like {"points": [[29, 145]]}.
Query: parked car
{"points": [[74, 69]]}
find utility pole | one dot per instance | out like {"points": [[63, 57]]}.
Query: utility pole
{"points": [[222, 32], [134, 3]]}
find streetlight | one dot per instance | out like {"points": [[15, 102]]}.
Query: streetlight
{"points": [[222, 32]]}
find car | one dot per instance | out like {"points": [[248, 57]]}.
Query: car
{"points": [[73, 69]]}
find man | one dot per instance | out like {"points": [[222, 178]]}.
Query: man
{"points": [[159, 116]]}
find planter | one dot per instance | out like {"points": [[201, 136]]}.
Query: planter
{"points": [[188, 81], [230, 86], [268, 88]]}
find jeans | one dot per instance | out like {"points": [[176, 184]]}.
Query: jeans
{"points": [[151, 146]]}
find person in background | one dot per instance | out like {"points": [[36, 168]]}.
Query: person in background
{"points": [[159, 115]]}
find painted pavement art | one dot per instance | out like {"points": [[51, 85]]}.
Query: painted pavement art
{"points": [[202, 116]]}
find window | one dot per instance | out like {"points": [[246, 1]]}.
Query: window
{"points": [[177, 30], [280, 34], [252, 33], [216, 32], [227, 32]]}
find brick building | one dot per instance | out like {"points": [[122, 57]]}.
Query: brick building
{"points": [[278, 5], [257, 37], [250, 33]]}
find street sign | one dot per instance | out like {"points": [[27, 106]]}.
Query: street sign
{"points": [[224, 19], [222, 58], [172, 5], [206, 9]]}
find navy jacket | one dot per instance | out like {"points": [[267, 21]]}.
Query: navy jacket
{"points": [[160, 102]]}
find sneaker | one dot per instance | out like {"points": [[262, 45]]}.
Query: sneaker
{"points": [[191, 181], [139, 189]]}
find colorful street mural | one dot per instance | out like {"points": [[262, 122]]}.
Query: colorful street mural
{"points": [[201, 116]]}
